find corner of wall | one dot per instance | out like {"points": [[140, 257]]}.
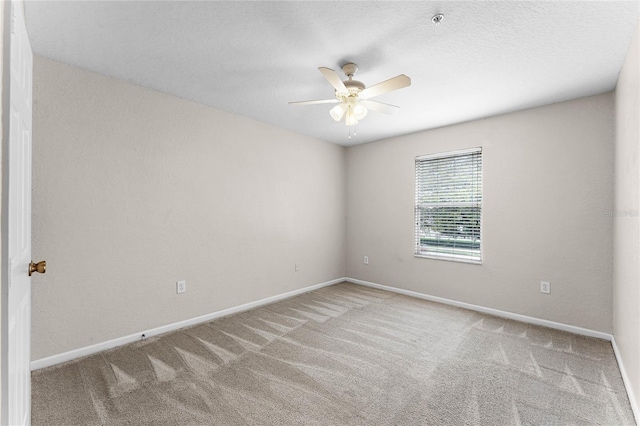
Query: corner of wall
{"points": [[626, 213]]}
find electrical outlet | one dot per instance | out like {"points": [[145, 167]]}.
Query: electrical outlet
{"points": [[366, 260], [545, 287], [296, 268], [181, 287]]}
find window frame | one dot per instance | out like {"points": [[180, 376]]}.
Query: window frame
{"points": [[419, 252]]}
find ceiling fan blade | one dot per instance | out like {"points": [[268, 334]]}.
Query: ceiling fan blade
{"points": [[334, 79], [323, 101], [379, 106], [395, 83]]}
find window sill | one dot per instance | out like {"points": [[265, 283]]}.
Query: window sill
{"points": [[450, 258]]}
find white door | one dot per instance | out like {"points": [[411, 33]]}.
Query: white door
{"points": [[19, 223]]}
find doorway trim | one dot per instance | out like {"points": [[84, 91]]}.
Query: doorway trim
{"points": [[4, 214]]}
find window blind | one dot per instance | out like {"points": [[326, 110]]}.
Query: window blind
{"points": [[448, 209]]}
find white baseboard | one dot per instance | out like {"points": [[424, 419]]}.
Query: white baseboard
{"points": [[98, 347], [490, 311], [625, 379]]}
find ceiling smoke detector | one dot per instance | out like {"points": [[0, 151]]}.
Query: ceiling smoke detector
{"points": [[437, 19]]}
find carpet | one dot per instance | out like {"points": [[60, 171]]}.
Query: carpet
{"points": [[342, 355]]}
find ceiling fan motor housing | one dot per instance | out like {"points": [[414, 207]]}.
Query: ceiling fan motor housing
{"points": [[354, 84], [354, 87]]}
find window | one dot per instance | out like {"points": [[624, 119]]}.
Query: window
{"points": [[449, 205]]}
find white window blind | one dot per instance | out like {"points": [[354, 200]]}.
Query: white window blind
{"points": [[448, 208]]}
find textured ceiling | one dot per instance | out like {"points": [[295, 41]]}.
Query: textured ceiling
{"points": [[252, 58]]}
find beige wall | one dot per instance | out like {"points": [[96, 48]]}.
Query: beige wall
{"points": [[626, 265], [547, 187], [134, 190]]}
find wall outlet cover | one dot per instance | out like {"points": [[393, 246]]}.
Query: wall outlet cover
{"points": [[181, 287]]}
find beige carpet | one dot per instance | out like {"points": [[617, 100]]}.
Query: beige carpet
{"points": [[342, 355]]}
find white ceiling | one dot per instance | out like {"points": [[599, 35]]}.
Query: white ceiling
{"points": [[252, 58]]}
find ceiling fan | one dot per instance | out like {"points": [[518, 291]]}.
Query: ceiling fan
{"points": [[354, 98]]}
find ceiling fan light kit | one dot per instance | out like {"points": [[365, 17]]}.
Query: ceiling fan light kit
{"points": [[353, 97], [350, 109]]}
